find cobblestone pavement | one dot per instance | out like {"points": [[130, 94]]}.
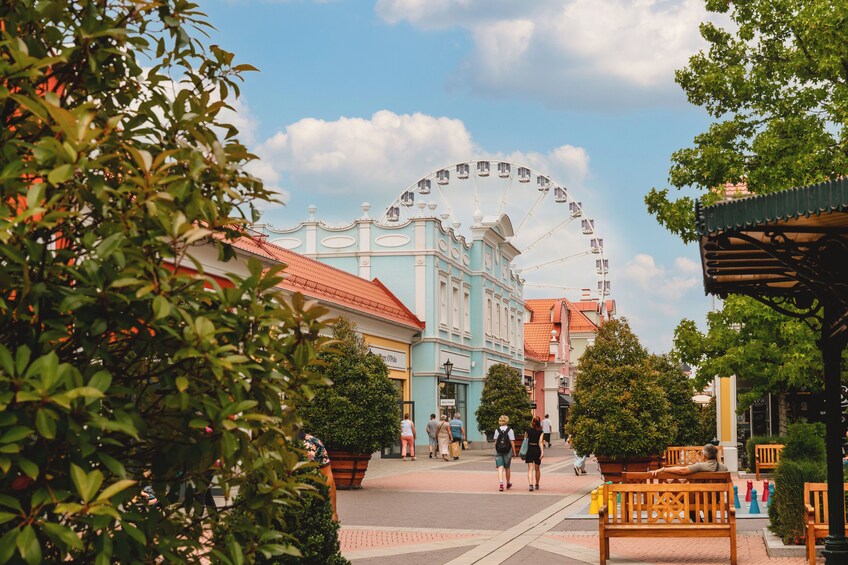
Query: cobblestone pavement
{"points": [[430, 512]]}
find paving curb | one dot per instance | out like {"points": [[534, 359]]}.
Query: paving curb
{"points": [[776, 548]]}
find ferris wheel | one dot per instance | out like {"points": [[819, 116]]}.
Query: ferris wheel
{"points": [[560, 248]]}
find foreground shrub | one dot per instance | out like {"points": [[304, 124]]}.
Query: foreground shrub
{"points": [[786, 509], [119, 357]]}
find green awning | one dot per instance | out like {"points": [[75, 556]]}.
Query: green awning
{"points": [[774, 244], [814, 201]]}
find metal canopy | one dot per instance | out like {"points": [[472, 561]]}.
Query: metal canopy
{"points": [[789, 250]]}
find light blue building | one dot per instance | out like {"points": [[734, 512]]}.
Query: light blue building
{"points": [[466, 292]]}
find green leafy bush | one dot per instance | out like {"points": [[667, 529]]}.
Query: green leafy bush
{"points": [[804, 442], [118, 355], [786, 508], [503, 394], [754, 441], [620, 409], [359, 411], [308, 530]]}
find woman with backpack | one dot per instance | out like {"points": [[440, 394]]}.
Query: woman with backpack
{"points": [[504, 436]]}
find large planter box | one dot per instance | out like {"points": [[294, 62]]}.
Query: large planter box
{"points": [[611, 468], [348, 468]]}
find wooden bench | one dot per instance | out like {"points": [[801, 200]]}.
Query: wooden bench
{"points": [[664, 477], [815, 499], [687, 455], [766, 457], [695, 510]]}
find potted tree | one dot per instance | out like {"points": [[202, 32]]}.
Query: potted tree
{"points": [[620, 413], [357, 413], [504, 394]]}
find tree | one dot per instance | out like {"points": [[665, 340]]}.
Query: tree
{"points": [[775, 82], [118, 355], [769, 352], [360, 411], [620, 410], [679, 389], [503, 394]]}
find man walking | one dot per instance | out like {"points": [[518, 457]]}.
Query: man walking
{"points": [[432, 426], [504, 436], [546, 430], [457, 435]]}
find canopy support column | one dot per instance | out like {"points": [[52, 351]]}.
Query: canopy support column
{"points": [[836, 544]]}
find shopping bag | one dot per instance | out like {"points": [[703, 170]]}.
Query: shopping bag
{"points": [[456, 449], [522, 453]]}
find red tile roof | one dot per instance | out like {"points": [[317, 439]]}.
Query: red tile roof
{"points": [[323, 282], [578, 322], [537, 340]]}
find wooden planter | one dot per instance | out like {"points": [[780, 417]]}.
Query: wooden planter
{"points": [[611, 468], [348, 468]]}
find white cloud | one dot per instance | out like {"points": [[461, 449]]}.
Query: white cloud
{"points": [[383, 155], [662, 286], [592, 53]]}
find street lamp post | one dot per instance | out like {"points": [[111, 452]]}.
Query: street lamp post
{"points": [[448, 367]]}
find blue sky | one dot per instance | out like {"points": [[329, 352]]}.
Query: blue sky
{"points": [[356, 100]]}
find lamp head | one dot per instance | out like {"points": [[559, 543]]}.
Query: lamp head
{"points": [[448, 368]]}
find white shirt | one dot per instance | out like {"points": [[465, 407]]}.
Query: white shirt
{"points": [[503, 429], [406, 427], [546, 426]]}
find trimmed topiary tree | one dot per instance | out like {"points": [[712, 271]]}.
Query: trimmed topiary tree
{"points": [[503, 394], [619, 410], [359, 411], [679, 390]]}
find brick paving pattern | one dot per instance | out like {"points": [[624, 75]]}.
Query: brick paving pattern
{"points": [[432, 512]]}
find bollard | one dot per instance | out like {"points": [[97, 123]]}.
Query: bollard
{"points": [[765, 491], [593, 506], [755, 506], [610, 501], [771, 493], [748, 493], [736, 497]]}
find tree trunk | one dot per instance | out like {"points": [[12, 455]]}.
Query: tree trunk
{"points": [[782, 417]]}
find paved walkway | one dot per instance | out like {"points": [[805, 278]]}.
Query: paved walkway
{"points": [[432, 512]]}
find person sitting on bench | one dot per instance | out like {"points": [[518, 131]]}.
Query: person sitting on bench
{"points": [[710, 464]]}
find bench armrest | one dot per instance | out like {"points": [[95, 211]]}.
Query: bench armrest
{"points": [[602, 511], [810, 513]]}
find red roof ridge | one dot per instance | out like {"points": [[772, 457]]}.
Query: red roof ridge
{"points": [[402, 306]]}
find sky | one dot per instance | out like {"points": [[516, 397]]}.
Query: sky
{"points": [[356, 100]]}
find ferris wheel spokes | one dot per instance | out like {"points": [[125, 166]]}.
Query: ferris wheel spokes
{"points": [[530, 212], [557, 261], [548, 234]]}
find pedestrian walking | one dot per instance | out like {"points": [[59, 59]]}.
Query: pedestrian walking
{"points": [[443, 433], [579, 460], [407, 437], [457, 435], [535, 452], [432, 426], [504, 436], [546, 430]]}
